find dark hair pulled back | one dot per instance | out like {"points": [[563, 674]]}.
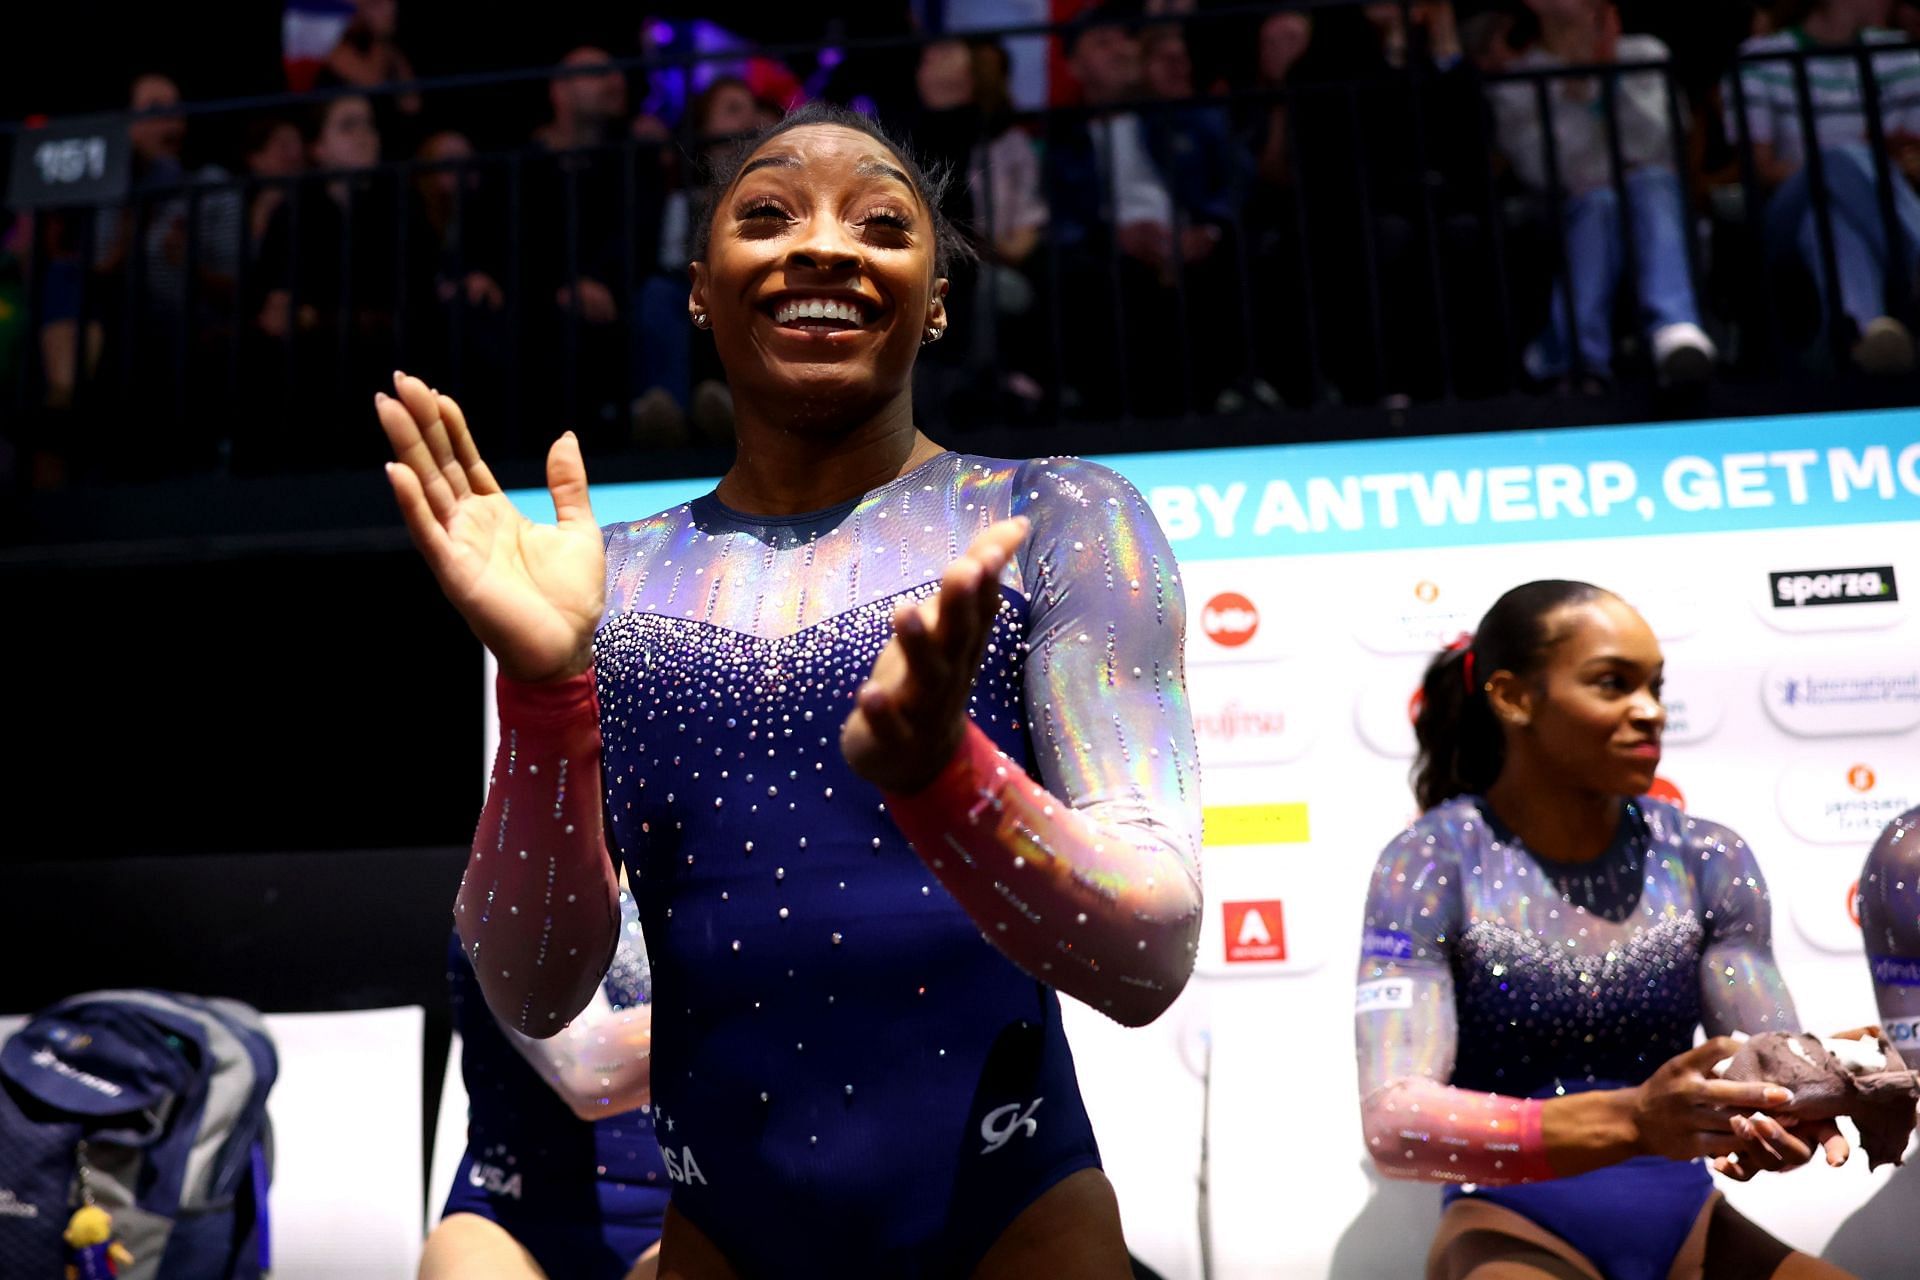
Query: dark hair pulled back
{"points": [[1461, 747]]}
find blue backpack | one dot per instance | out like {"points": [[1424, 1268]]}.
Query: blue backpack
{"points": [[151, 1106]]}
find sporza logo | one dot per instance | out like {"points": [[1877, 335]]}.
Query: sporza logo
{"points": [[1808, 588], [999, 1125]]}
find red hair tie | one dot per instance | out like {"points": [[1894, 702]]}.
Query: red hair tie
{"points": [[1464, 641]]}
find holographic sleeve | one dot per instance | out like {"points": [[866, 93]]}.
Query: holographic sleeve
{"points": [[538, 906], [1089, 877], [1740, 985], [1417, 1126], [1890, 923], [601, 1064]]}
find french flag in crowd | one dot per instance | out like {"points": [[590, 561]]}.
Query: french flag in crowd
{"points": [[309, 29]]}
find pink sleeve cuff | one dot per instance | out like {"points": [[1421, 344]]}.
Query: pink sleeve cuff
{"points": [[1100, 912]]}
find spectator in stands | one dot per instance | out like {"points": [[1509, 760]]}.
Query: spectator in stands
{"points": [[588, 234], [1146, 199], [1866, 265], [1275, 205], [1599, 237], [158, 143], [1374, 192], [462, 272], [166, 261], [272, 150], [327, 287], [368, 56], [963, 122], [677, 364]]}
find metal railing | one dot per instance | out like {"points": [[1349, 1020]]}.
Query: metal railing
{"points": [[164, 332]]}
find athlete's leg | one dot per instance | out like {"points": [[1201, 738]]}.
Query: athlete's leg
{"points": [[1481, 1241], [646, 1266], [466, 1246], [687, 1254], [1072, 1232], [1736, 1247]]}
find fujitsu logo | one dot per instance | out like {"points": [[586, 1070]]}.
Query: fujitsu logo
{"points": [[1235, 721]]}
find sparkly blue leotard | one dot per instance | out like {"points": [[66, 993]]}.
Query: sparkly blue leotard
{"points": [[585, 1199], [1890, 925], [1506, 973], [840, 1056]]}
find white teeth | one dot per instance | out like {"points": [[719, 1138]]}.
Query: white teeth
{"points": [[818, 309]]}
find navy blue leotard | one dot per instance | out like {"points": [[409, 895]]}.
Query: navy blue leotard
{"points": [[584, 1198], [1488, 973], [848, 1078]]}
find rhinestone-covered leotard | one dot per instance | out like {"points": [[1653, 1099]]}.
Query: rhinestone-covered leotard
{"points": [[585, 1198], [1890, 926], [851, 1045], [1489, 975]]}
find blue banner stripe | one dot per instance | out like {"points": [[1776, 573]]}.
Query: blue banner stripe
{"points": [[1491, 489]]}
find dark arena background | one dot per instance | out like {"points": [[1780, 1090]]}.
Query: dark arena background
{"points": [[1387, 308]]}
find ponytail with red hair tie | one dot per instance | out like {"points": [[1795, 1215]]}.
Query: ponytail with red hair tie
{"points": [[1464, 641]]}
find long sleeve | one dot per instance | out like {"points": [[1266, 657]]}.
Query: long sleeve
{"points": [[1890, 925], [538, 906], [600, 1065], [1417, 1126], [1740, 985], [1088, 878]]}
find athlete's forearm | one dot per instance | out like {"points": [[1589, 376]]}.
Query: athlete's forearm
{"points": [[538, 908], [1103, 909]]}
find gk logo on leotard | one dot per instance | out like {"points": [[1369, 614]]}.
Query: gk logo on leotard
{"points": [[999, 1125]]}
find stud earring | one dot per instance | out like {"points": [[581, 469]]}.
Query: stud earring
{"points": [[933, 335], [700, 319]]}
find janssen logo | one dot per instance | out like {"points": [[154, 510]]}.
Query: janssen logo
{"points": [[1229, 619], [1830, 802], [1807, 588]]}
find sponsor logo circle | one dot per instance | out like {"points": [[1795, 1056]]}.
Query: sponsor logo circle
{"points": [[1861, 778], [1853, 903], [1230, 619], [1426, 592]]}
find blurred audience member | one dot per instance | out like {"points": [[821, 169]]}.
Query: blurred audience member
{"points": [[1151, 199], [327, 288], [1865, 263], [1594, 228], [273, 151], [589, 232], [367, 56]]}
